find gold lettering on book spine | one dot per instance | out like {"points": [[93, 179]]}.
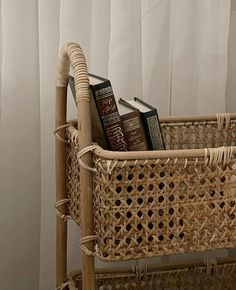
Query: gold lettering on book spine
{"points": [[116, 138], [110, 118], [104, 92]]}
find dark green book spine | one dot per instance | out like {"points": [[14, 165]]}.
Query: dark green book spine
{"points": [[153, 131]]}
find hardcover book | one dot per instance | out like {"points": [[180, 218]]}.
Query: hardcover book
{"points": [[133, 127], [108, 112], [97, 129], [151, 123]]}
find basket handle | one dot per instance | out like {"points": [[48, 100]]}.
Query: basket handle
{"points": [[72, 54]]}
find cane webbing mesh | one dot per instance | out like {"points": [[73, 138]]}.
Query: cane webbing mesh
{"points": [[72, 177], [156, 207], [147, 210], [197, 135], [189, 278]]}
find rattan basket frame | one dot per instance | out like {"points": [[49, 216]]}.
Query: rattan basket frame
{"points": [[196, 275], [72, 54]]}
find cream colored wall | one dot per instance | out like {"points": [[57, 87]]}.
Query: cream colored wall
{"points": [[231, 80]]}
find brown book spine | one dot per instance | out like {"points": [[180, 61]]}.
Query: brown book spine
{"points": [[134, 132], [108, 112]]}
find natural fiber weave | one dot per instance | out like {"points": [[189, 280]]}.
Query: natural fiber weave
{"points": [[73, 177], [152, 207], [197, 135], [222, 277]]}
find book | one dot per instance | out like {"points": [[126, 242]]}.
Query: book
{"points": [[107, 126], [97, 129], [108, 112], [151, 123], [133, 127]]}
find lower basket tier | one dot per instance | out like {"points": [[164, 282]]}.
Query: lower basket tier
{"points": [[208, 277]]}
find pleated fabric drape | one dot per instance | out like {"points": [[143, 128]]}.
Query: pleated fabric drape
{"points": [[171, 53]]}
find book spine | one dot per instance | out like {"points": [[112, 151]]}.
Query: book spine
{"points": [[97, 129], [153, 130], [109, 115], [134, 132]]}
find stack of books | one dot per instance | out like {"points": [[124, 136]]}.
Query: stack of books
{"points": [[137, 129]]}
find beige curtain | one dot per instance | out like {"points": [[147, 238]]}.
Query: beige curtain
{"points": [[172, 53], [19, 146]]}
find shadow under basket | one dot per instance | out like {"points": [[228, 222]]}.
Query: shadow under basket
{"points": [[155, 203], [208, 277]]}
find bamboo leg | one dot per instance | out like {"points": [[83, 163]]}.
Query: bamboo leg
{"points": [[61, 251], [72, 54], [88, 265]]}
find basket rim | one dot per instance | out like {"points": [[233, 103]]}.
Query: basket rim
{"points": [[162, 267], [154, 154], [185, 118]]}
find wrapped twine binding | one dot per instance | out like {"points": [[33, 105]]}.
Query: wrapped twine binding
{"points": [[150, 203]]}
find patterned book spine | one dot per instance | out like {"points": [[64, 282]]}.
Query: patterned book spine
{"points": [[155, 133], [109, 115], [134, 132], [153, 130]]}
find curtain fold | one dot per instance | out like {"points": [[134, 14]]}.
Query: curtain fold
{"points": [[19, 146], [126, 48], [49, 43], [0, 56], [174, 55], [199, 63], [157, 18], [100, 37]]}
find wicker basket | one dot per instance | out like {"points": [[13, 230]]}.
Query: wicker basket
{"points": [[164, 204], [204, 277], [142, 204]]}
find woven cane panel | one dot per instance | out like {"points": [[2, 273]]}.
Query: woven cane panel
{"points": [[72, 177], [198, 278], [160, 209], [197, 135]]}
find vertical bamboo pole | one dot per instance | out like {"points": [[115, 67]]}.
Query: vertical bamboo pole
{"points": [[61, 242], [88, 267], [79, 66], [72, 54]]}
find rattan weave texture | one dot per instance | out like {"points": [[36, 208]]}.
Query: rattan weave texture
{"points": [[223, 277], [198, 134], [152, 207]]}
